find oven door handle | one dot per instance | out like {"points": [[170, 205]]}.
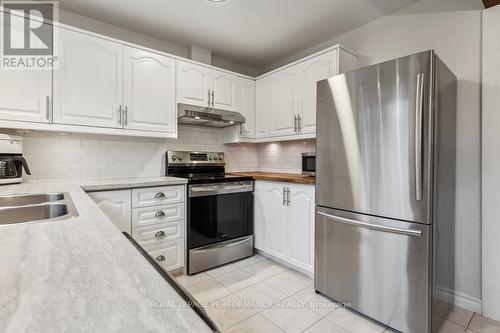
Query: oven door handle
{"points": [[220, 189]]}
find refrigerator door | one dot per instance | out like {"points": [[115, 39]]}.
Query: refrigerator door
{"points": [[378, 267], [373, 139]]}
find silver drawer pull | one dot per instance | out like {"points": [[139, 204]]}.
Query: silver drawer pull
{"points": [[160, 214], [160, 195], [161, 258], [160, 234]]}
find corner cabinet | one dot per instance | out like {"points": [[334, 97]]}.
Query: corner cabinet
{"points": [[206, 87], [285, 106], [284, 222], [153, 216]]}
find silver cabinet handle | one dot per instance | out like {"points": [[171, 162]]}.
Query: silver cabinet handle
{"points": [[284, 196], [295, 124], [213, 97], [160, 234], [408, 232], [299, 124], [160, 195], [209, 95], [419, 104], [120, 115], [288, 197], [125, 118], [160, 258], [160, 214]]}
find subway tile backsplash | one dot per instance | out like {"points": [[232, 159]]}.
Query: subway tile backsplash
{"points": [[87, 156]]}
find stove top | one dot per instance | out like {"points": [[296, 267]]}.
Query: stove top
{"points": [[200, 167]]}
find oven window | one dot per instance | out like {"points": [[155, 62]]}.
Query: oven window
{"points": [[217, 218]]}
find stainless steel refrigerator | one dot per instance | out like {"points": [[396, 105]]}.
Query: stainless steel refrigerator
{"points": [[385, 191]]}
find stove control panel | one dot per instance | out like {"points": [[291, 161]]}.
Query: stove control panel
{"points": [[193, 157]]}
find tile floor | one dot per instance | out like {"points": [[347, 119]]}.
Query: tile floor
{"points": [[259, 295]]}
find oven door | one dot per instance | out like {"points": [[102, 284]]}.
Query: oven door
{"points": [[219, 212]]}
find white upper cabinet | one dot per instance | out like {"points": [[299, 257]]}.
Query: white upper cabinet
{"points": [[262, 107], [148, 91], [286, 98], [25, 95], [193, 84], [247, 106], [203, 86], [225, 89], [88, 83], [283, 102], [309, 73]]}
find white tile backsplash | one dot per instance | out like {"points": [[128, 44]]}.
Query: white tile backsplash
{"points": [[86, 156]]}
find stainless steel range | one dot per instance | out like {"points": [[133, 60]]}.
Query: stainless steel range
{"points": [[219, 209]]}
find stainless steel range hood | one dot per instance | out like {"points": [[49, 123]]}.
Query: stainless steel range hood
{"points": [[206, 116]]}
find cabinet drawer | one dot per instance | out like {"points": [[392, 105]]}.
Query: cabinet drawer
{"points": [[153, 196], [157, 214], [169, 255], [158, 233]]}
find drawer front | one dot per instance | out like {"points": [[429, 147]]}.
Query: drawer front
{"points": [[158, 233], [154, 196], [169, 255], [157, 214]]}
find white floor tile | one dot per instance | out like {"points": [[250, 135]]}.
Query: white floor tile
{"points": [[208, 291], [189, 280], [353, 322], [313, 301], [262, 295], [222, 270], [289, 282], [449, 327], [229, 311], [255, 324], [291, 320], [482, 324], [264, 269], [323, 326], [249, 261], [237, 280]]}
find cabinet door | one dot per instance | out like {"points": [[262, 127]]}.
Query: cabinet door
{"points": [[283, 102], [117, 205], [262, 107], [301, 226], [88, 83], [247, 107], [24, 94], [259, 224], [193, 83], [149, 91], [224, 86], [275, 217], [309, 73]]}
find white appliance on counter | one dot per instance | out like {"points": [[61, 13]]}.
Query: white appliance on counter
{"points": [[12, 162]]}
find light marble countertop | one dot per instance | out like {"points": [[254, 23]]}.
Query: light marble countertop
{"points": [[82, 274]]}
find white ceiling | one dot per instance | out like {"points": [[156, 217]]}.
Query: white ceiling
{"points": [[254, 33]]}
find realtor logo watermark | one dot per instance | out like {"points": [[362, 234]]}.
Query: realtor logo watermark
{"points": [[28, 36]]}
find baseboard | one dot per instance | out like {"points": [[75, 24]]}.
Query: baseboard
{"points": [[459, 299], [284, 263]]}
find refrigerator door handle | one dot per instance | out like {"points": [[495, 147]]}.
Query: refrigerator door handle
{"points": [[419, 104], [408, 232]]}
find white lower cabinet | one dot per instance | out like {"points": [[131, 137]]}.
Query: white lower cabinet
{"points": [[153, 216], [117, 205], [284, 222]]}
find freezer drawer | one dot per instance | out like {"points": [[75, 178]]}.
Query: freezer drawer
{"points": [[378, 266]]}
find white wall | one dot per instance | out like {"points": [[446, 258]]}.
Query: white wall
{"points": [[453, 29], [491, 162]]}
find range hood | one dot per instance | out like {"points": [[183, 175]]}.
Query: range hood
{"points": [[206, 116]]}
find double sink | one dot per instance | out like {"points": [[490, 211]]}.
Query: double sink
{"points": [[31, 208]]}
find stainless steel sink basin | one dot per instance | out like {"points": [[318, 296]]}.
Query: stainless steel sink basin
{"points": [[37, 208], [29, 199]]}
